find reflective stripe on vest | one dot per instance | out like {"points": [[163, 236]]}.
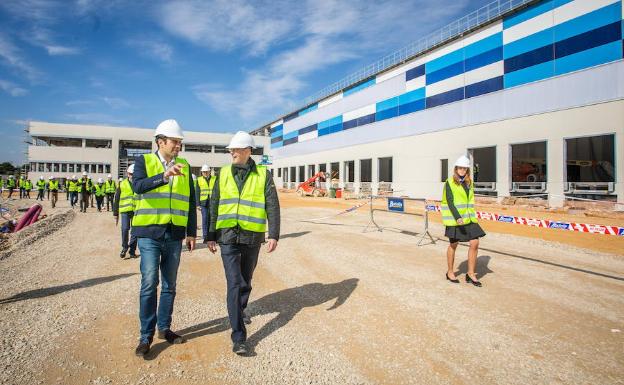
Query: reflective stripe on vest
{"points": [[463, 203], [110, 187], [205, 188], [54, 185], [126, 196], [40, 185], [73, 186], [245, 209], [168, 203], [99, 190]]}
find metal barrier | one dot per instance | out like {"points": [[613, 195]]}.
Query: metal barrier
{"points": [[484, 186], [425, 232], [590, 187], [528, 187]]}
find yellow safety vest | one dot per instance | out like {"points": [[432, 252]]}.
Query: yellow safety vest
{"points": [[205, 188], [126, 196], [464, 204], [110, 187], [168, 203], [246, 208]]}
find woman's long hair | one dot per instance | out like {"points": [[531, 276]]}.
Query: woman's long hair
{"points": [[457, 179]]}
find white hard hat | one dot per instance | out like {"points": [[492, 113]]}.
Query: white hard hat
{"points": [[241, 139], [51, 177], [41, 177], [169, 128], [462, 161], [84, 173], [205, 168], [100, 180], [73, 176], [109, 176], [11, 176], [130, 169]]}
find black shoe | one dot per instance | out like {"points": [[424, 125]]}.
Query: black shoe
{"points": [[241, 348], [133, 255], [246, 319], [143, 348], [170, 336], [470, 280], [122, 254], [452, 280], [205, 240]]}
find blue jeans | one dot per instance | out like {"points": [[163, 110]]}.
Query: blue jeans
{"points": [[239, 263], [205, 220], [163, 253]]}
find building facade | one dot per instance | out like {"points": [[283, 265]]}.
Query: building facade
{"points": [[534, 96], [64, 150]]}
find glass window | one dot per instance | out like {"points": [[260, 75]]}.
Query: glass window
{"points": [[366, 170], [63, 167], [385, 169], [528, 162], [443, 170], [591, 159]]}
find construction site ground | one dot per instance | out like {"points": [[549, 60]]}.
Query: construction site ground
{"points": [[334, 304]]}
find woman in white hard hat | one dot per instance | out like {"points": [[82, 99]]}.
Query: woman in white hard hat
{"points": [[460, 218]]}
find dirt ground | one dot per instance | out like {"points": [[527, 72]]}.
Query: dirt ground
{"points": [[334, 304]]}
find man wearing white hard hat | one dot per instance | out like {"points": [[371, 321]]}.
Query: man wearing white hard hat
{"points": [[109, 188], [84, 187], [99, 192], [53, 188], [165, 215], [11, 185], [243, 199], [460, 218], [205, 184], [41, 186], [123, 205], [73, 191]]}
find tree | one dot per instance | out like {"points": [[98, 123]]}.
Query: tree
{"points": [[7, 168]]}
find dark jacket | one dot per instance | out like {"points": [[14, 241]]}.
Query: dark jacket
{"points": [[236, 234], [450, 200], [142, 184], [117, 197]]}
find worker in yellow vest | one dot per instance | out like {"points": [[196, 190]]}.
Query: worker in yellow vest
{"points": [[27, 187], [243, 199], [53, 188], [164, 216], [41, 187], [123, 205], [73, 191], [99, 192], [110, 187], [205, 184], [11, 184], [21, 185], [460, 218]]}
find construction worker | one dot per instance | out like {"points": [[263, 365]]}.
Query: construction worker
{"points": [[27, 187], [165, 215], [84, 185], [242, 200], [41, 186], [73, 191], [48, 187], [99, 192], [91, 191], [460, 218], [22, 185], [109, 188], [205, 184], [53, 188], [11, 184], [124, 204]]}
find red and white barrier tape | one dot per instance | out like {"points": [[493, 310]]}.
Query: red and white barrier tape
{"points": [[350, 209], [546, 223]]}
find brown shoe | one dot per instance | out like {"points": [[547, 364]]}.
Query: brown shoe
{"points": [[170, 336]]}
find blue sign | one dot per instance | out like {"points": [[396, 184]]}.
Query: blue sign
{"points": [[621, 232], [395, 204], [506, 219], [431, 208], [559, 225]]}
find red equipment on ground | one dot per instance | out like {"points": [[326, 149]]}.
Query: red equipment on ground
{"points": [[312, 186]]}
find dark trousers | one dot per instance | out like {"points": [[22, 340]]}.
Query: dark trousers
{"points": [[54, 198], [100, 202], [67, 193], [84, 201], [10, 193], [27, 194], [126, 224], [22, 193], [110, 198], [40, 194], [239, 262], [205, 212], [73, 198], [48, 194]]}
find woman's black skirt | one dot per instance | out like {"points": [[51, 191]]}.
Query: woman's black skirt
{"points": [[464, 233]]}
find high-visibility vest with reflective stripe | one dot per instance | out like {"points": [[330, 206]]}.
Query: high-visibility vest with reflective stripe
{"points": [[54, 185], [464, 204], [205, 188], [110, 187], [73, 186], [99, 190], [21, 183], [245, 209], [40, 185], [168, 203], [28, 185], [11, 183], [126, 196]]}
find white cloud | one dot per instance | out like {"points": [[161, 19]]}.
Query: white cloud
{"points": [[152, 48], [331, 32], [72, 103], [12, 57], [116, 103], [12, 89]]}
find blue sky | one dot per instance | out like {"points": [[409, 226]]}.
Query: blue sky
{"points": [[218, 66]]}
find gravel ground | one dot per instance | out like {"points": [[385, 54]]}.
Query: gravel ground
{"points": [[333, 305]]}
